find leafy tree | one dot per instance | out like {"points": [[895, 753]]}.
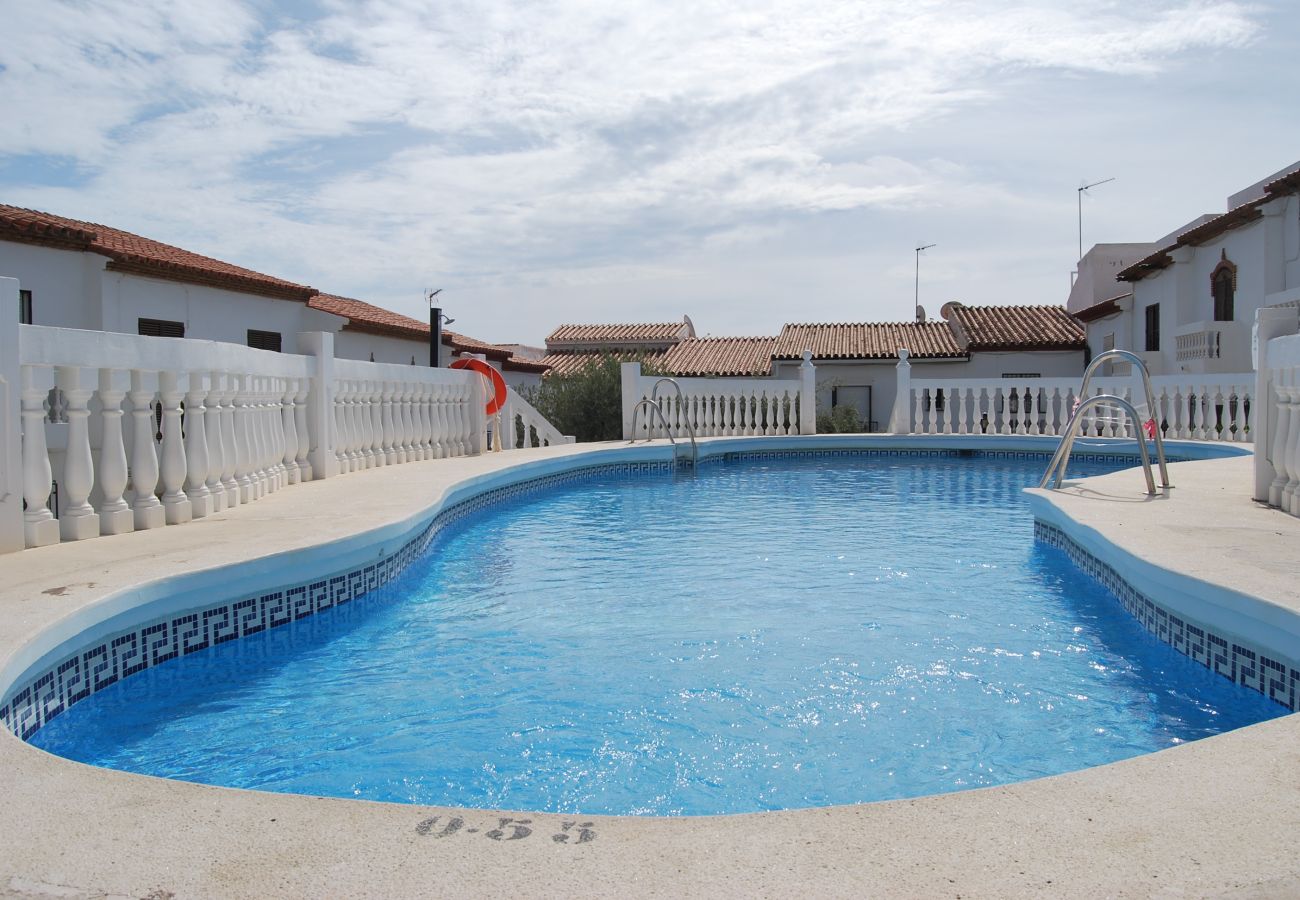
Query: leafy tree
{"points": [[588, 403]]}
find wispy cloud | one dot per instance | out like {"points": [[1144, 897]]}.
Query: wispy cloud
{"points": [[500, 144]]}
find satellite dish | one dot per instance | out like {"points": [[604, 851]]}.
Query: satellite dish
{"points": [[920, 313]]}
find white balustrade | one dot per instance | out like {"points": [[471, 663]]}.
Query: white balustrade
{"points": [[1208, 408], [723, 406], [160, 431], [523, 426]]}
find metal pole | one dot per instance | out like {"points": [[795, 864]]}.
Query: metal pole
{"points": [[435, 334], [1080, 195], [916, 294]]}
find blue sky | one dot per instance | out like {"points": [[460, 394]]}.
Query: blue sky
{"points": [[548, 162]]}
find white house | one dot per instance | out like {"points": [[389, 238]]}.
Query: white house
{"points": [[1189, 302], [84, 275], [856, 363]]}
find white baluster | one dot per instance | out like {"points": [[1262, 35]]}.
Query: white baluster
{"points": [[341, 428], [387, 428], [39, 525], [365, 454], [406, 426], [244, 440], [175, 503], [300, 425], [114, 512], [77, 521], [229, 443], [426, 421], [375, 390], [438, 420], [216, 448], [196, 449], [289, 432], [147, 512]]}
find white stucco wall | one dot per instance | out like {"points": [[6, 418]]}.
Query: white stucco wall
{"points": [[64, 283], [1095, 281], [386, 348], [1267, 255]]}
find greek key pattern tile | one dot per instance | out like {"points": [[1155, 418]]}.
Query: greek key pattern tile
{"points": [[1247, 666], [34, 701], [885, 453]]}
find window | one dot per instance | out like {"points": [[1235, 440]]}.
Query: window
{"points": [[1223, 284], [161, 328], [25, 307], [1153, 327], [264, 340]]}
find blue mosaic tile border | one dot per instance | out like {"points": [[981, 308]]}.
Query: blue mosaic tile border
{"points": [[867, 452], [1246, 666], [38, 700]]}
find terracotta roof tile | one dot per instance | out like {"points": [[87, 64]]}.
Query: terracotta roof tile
{"points": [[368, 317], [617, 335], [868, 340], [1018, 327], [1103, 308], [564, 364], [139, 255], [726, 356]]}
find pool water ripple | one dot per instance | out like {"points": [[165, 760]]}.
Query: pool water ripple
{"points": [[763, 635]]}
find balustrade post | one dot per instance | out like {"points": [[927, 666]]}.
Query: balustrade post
{"points": [[114, 514], [1291, 446], [900, 420], [1269, 323], [147, 511], [77, 520], [216, 446], [11, 419], [321, 459], [40, 528]]}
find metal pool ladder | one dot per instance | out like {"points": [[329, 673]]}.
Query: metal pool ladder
{"points": [[652, 402], [1061, 459]]}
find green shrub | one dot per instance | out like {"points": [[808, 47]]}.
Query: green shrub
{"points": [[840, 420], [587, 404]]}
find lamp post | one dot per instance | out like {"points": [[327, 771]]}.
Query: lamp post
{"points": [[1082, 189], [916, 298], [436, 320]]}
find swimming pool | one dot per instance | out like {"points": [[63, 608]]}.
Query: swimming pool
{"points": [[794, 682]]}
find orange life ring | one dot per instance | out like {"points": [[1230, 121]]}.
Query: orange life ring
{"points": [[498, 398]]}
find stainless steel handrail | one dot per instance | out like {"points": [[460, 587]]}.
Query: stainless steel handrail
{"points": [[651, 404], [1132, 357], [1062, 457], [682, 413]]}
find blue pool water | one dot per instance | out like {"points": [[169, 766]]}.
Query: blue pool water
{"points": [[764, 635]]}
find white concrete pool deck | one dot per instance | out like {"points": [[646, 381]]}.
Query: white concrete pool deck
{"points": [[1218, 817]]}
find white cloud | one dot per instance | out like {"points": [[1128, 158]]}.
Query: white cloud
{"points": [[534, 141]]}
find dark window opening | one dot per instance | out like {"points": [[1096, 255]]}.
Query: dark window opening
{"points": [[161, 328], [264, 340], [25, 308], [1224, 287], [1153, 327]]}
